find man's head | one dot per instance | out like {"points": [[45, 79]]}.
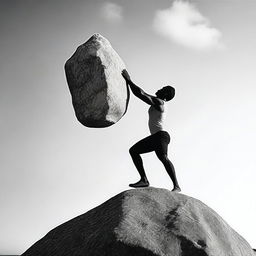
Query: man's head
{"points": [[166, 93]]}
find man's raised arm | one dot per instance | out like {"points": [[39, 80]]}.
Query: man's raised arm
{"points": [[138, 92]]}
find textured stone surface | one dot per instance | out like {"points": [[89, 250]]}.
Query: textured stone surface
{"points": [[99, 93], [145, 222]]}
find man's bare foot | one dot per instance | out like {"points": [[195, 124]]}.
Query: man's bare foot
{"points": [[176, 189], [140, 184]]}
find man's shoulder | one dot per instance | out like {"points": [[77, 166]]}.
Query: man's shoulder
{"points": [[159, 104], [158, 101]]}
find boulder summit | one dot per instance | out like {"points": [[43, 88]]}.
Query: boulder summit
{"points": [[144, 222]]}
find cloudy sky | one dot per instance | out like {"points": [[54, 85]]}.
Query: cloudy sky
{"points": [[53, 169]]}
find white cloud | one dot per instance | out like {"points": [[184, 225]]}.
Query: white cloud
{"points": [[184, 24], [112, 12]]}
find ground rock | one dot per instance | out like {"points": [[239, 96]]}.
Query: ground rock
{"points": [[144, 222], [99, 93]]}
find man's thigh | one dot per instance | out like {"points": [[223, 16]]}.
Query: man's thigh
{"points": [[146, 145], [161, 147]]}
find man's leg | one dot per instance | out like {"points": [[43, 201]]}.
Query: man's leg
{"points": [[162, 156], [143, 146], [162, 141]]}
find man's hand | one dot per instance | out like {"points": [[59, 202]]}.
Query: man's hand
{"points": [[126, 75]]}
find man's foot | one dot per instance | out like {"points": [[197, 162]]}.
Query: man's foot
{"points": [[140, 184], [176, 189]]}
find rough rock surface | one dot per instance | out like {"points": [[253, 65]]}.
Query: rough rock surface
{"points": [[99, 93], [144, 222]]}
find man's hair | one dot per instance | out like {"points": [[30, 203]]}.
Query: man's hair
{"points": [[169, 92]]}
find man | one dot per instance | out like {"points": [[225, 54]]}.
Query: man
{"points": [[159, 139]]}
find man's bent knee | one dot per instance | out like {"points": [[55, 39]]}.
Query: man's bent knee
{"points": [[132, 151], [163, 158]]}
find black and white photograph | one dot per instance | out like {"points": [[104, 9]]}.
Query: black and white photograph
{"points": [[128, 128]]}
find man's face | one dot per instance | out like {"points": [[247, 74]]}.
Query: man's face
{"points": [[160, 92]]}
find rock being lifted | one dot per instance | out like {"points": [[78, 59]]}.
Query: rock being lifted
{"points": [[99, 93]]}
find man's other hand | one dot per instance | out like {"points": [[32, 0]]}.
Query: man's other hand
{"points": [[126, 75]]}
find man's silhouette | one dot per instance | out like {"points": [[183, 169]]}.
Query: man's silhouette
{"points": [[159, 139]]}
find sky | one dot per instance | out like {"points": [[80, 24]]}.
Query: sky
{"points": [[52, 168]]}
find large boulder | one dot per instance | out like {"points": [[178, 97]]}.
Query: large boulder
{"points": [[144, 222], [99, 93]]}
